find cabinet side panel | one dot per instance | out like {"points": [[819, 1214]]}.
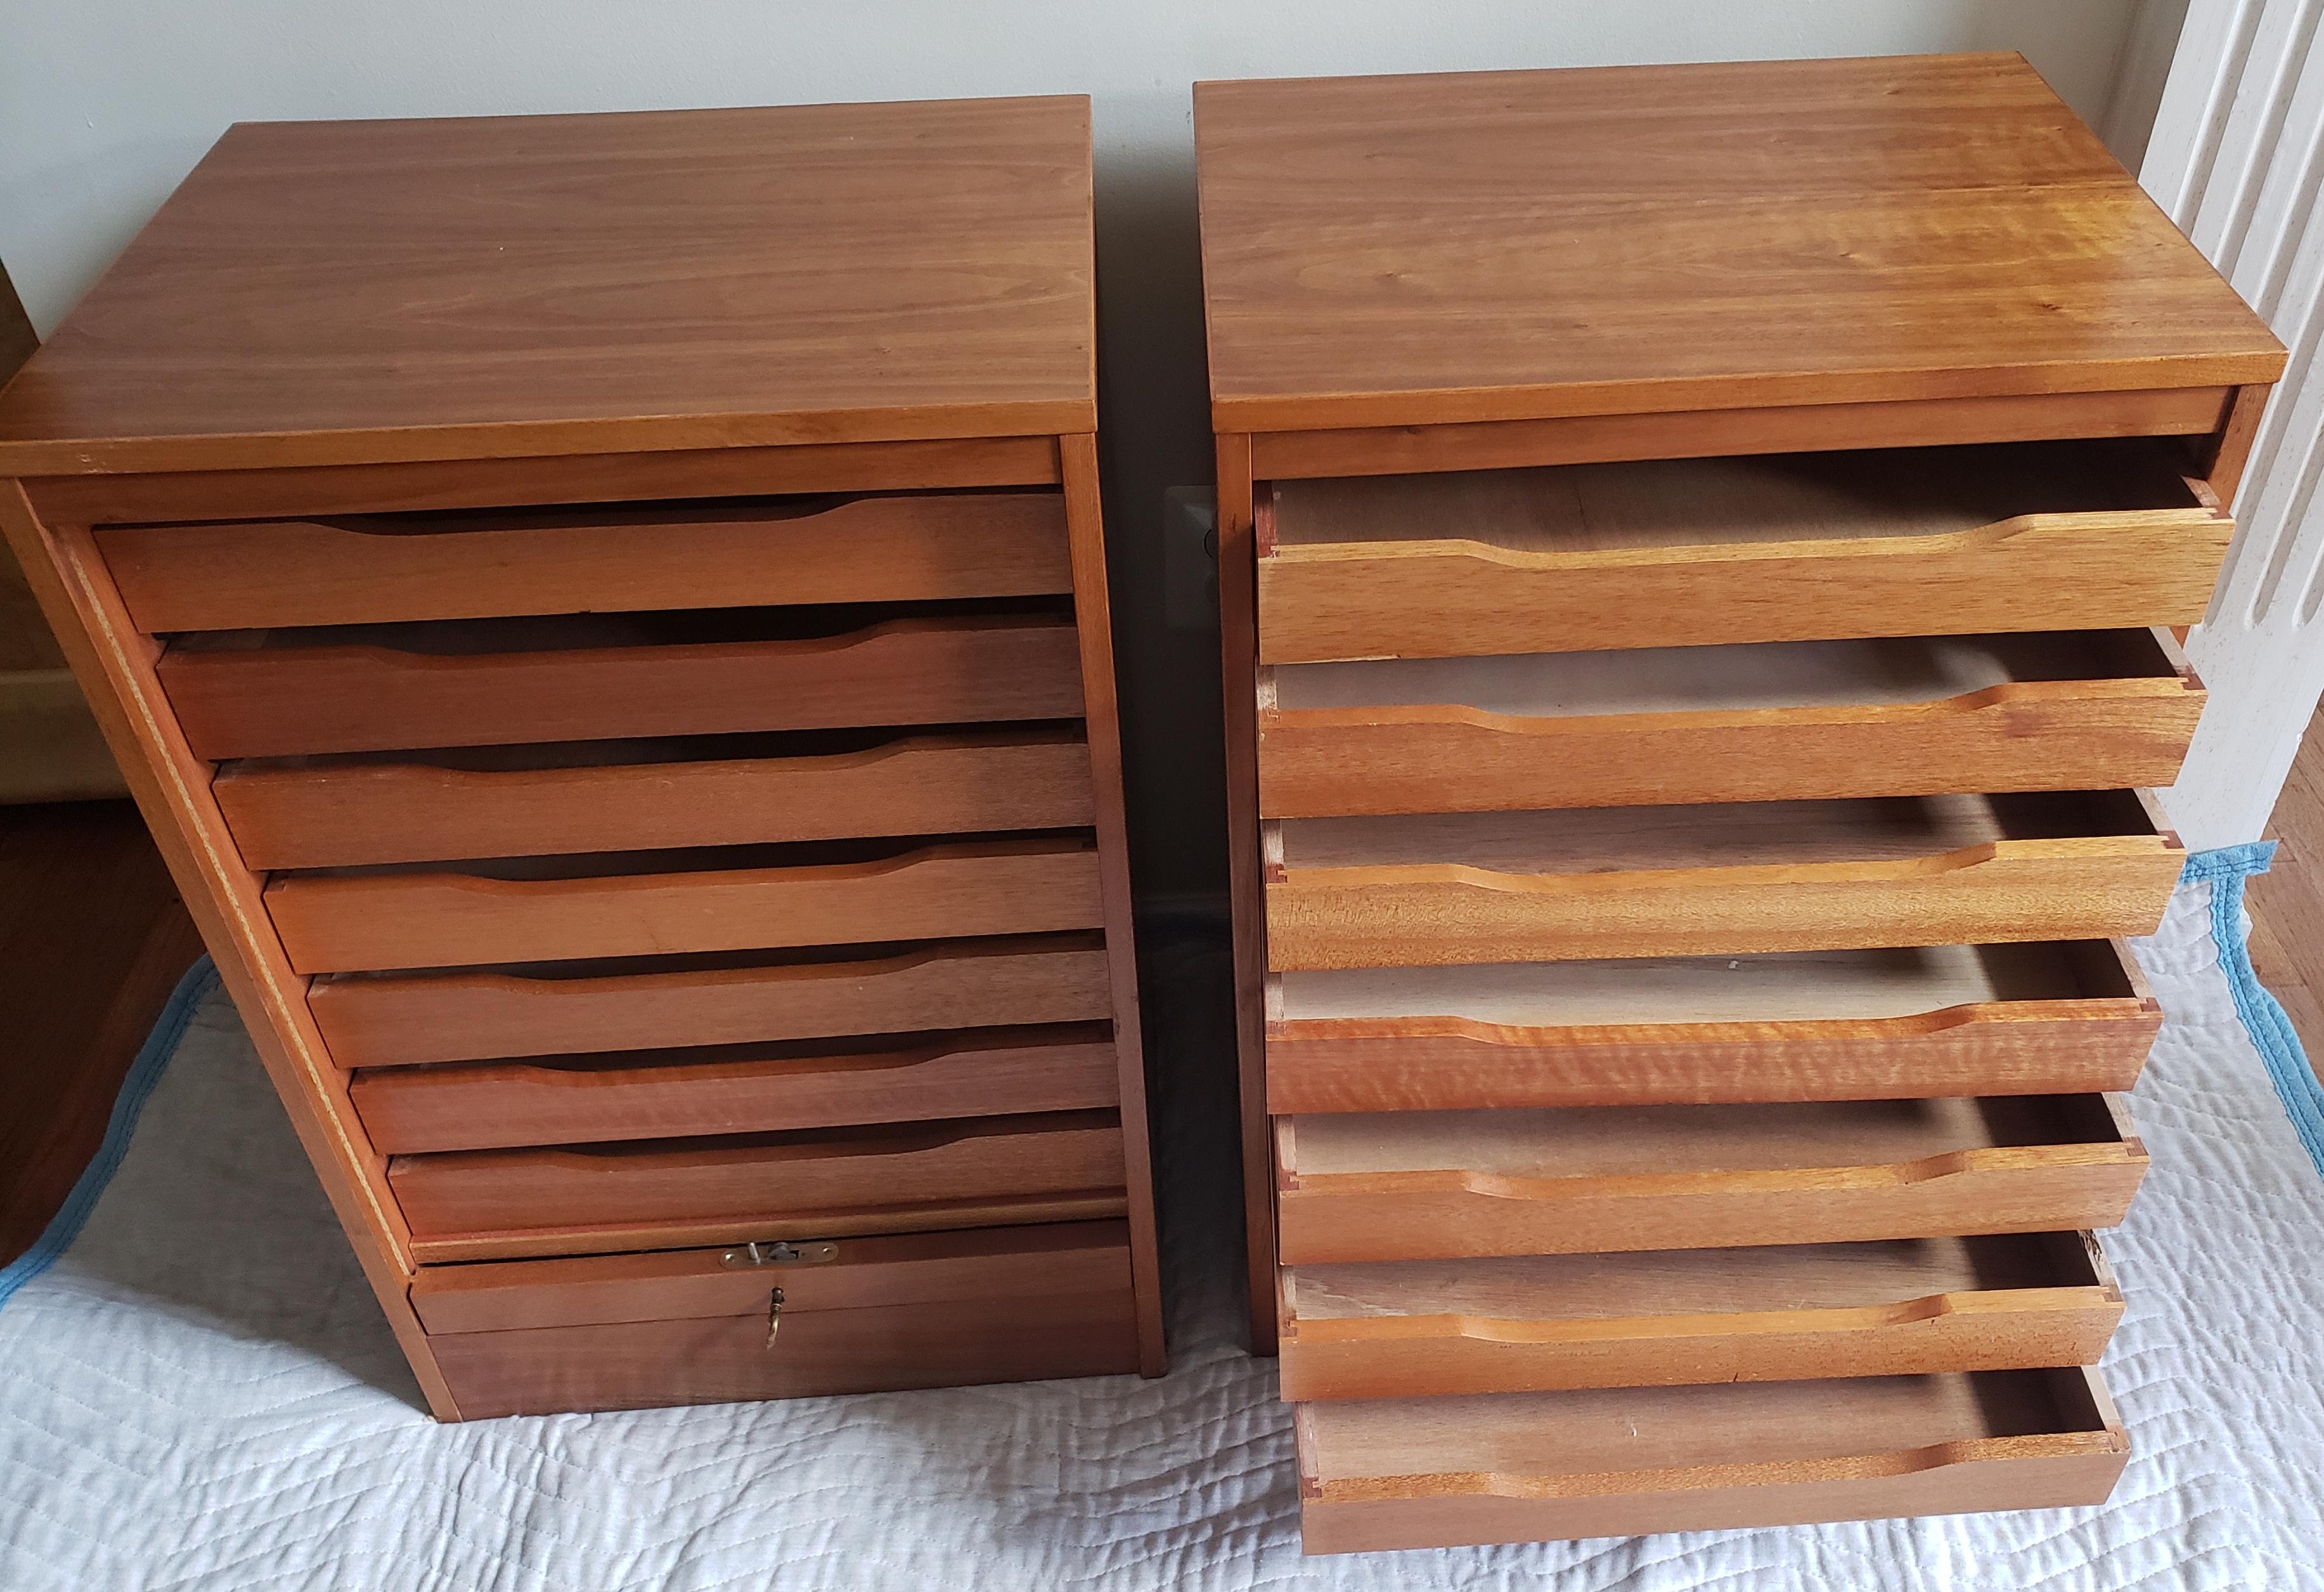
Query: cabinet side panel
{"points": [[115, 666], [1237, 686], [1078, 456]]}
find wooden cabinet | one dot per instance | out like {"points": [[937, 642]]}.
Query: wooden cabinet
{"points": [[1698, 552], [648, 772]]}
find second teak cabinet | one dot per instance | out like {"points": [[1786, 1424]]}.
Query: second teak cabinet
{"points": [[1700, 552]]}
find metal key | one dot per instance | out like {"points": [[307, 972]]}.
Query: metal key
{"points": [[774, 1314]]}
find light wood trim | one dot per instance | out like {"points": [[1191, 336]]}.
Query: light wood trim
{"points": [[296, 700], [254, 574], [341, 923], [115, 667], [1668, 1319], [1789, 1476], [586, 478], [2021, 735], [355, 813], [2010, 890], [1093, 618], [2064, 1045], [1821, 898], [742, 1090], [457, 442], [1088, 1205], [1238, 664], [1814, 1194], [392, 1020], [1433, 598], [1286, 453]]}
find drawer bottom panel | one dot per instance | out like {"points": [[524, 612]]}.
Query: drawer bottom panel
{"points": [[1438, 1473]]}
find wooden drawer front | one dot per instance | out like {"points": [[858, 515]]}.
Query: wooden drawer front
{"points": [[373, 568], [387, 1020], [337, 923], [2084, 710], [285, 697], [640, 797], [858, 1316], [2023, 1019], [736, 1089], [1696, 552], [1546, 1466], [1698, 881], [1777, 1313], [894, 1180], [1444, 1184], [846, 1274], [724, 1359]]}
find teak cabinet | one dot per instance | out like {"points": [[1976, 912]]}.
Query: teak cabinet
{"points": [[1699, 555], [606, 617]]}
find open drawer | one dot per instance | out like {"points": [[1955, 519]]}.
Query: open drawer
{"points": [[781, 1319], [1760, 722], [282, 693], [581, 796], [650, 1002], [1436, 1185], [2016, 1019], [1771, 1313], [370, 568], [774, 1087], [1422, 889], [1617, 1462], [1779, 547], [644, 904], [654, 1193]]}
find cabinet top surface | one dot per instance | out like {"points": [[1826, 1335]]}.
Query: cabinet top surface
{"points": [[1499, 246], [342, 292]]}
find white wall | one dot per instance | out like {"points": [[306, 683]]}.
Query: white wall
{"points": [[105, 104]]}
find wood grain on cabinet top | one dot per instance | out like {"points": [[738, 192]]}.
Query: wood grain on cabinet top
{"points": [[1413, 250], [346, 292]]}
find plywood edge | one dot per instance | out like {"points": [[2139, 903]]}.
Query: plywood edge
{"points": [[715, 471], [508, 439], [2206, 379], [1440, 443]]}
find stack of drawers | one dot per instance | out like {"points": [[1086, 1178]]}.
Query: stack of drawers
{"points": [[1688, 853], [681, 892]]}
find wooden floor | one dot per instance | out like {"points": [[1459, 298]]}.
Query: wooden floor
{"points": [[2287, 902], [92, 941]]}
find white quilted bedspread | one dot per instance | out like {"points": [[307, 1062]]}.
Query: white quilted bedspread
{"points": [[200, 1394]]}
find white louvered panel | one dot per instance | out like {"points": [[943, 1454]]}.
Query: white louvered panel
{"points": [[2236, 156]]}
